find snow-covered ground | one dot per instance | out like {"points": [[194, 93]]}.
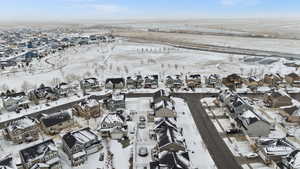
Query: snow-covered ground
{"points": [[195, 144], [124, 58]]}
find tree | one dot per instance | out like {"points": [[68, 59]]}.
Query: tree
{"points": [[55, 81], [25, 86]]}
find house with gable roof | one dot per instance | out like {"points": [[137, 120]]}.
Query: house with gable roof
{"points": [[22, 130], [79, 144], [43, 155]]}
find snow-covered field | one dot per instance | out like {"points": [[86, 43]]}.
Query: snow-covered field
{"points": [[124, 58]]}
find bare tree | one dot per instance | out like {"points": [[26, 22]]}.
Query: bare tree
{"points": [[25, 86], [55, 81]]}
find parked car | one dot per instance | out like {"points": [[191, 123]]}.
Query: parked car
{"points": [[143, 151], [233, 131], [101, 157], [252, 155], [142, 125], [142, 118]]}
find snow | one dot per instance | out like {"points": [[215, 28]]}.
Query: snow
{"points": [[191, 134]]}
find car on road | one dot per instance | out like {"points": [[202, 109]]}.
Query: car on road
{"points": [[142, 125], [143, 151]]}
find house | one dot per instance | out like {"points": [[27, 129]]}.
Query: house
{"points": [[43, 155], [174, 81], [54, 123], [79, 144], [293, 79], [115, 101], [193, 80], [134, 82], [64, 89], [159, 96], [245, 115], [291, 114], [42, 93], [172, 160], [22, 130], [169, 137], [233, 81], [213, 81], [164, 108], [88, 108], [151, 82], [252, 83], [253, 125], [115, 83], [277, 99], [90, 84], [274, 148], [15, 101], [272, 80], [113, 125], [7, 163], [292, 161]]}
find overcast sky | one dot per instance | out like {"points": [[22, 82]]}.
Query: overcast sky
{"points": [[63, 10]]}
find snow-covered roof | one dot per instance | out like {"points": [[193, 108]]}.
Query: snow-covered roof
{"points": [[37, 151], [23, 123], [82, 136]]}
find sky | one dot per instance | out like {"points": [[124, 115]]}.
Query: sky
{"points": [[68, 10]]}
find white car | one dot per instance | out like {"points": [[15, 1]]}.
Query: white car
{"points": [[252, 155]]}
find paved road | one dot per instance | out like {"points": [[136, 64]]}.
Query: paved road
{"points": [[217, 148]]}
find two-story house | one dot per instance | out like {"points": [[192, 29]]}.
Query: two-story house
{"points": [[43, 155], [22, 130], [79, 144]]}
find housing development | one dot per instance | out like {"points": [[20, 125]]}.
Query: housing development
{"points": [[150, 94]]}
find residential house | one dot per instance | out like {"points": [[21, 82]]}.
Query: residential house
{"points": [[22, 130], [159, 96], [115, 83], [43, 155], [291, 113], [164, 108], [151, 82], [54, 123], [113, 125], [274, 148], [213, 81], [276, 99], [174, 81], [169, 137], [15, 101], [90, 84], [172, 160], [253, 125], [292, 161], [64, 89], [88, 108], [233, 81], [134, 82], [272, 80], [79, 144], [293, 79], [245, 115], [42, 93], [252, 82], [7, 163], [193, 80], [115, 101]]}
